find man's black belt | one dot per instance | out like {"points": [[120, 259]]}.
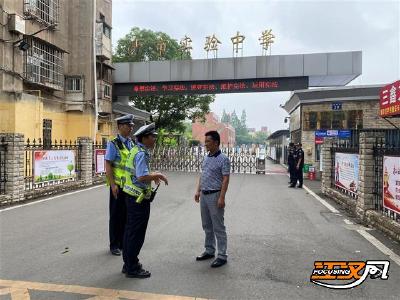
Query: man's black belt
{"points": [[210, 192]]}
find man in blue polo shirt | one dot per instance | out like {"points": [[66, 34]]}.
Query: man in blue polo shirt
{"points": [[211, 192], [116, 155]]}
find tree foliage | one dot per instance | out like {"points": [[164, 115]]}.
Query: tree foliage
{"points": [[167, 111], [242, 133]]}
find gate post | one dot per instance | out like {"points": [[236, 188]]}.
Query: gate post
{"points": [[14, 167], [86, 159], [365, 199], [326, 178]]}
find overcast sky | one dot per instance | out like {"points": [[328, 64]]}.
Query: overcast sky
{"points": [[299, 26]]}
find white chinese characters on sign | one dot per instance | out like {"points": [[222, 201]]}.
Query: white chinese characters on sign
{"points": [[390, 100], [392, 97]]}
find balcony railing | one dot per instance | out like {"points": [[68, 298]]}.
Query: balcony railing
{"points": [[44, 11], [103, 43], [104, 97], [43, 64]]}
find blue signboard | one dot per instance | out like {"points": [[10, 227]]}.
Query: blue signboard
{"points": [[320, 133], [337, 106], [342, 134]]}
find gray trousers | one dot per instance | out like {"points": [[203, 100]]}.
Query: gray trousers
{"points": [[212, 219]]}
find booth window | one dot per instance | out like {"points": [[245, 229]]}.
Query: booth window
{"points": [[317, 152], [352, 119], [310, 120]]}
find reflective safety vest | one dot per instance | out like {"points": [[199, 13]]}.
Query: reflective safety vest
{"points": [[118, 165], [130, 175]]}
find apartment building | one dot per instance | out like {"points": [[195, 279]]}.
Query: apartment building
{"points": [[55, 66]]}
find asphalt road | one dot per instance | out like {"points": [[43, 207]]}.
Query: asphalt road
{"points": [[274, 236]]}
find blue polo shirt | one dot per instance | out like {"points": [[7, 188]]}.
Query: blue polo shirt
{"points": [[142, 161], [112, 154], [215, 167]]}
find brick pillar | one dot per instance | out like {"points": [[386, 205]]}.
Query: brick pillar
{"points": [[14, 186], [86, 159], [365, 199], [326, 179]]}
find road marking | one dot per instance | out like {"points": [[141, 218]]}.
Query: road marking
{"points": [[322, 201], [50, 198], [274, 173], [348, 222], [5, 291], [370, 238], [385, 250], [20, 290]]}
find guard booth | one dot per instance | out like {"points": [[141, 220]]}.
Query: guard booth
{"points": [[260, 161], [277, 142]]}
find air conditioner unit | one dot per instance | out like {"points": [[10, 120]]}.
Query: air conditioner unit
{"points": [[16, 23]]}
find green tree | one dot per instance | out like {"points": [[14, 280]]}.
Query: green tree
{"points": [[70, 167], [167, 111], [243, 119], [260, 137], [235, 122], [242, 134], [225, 117]]}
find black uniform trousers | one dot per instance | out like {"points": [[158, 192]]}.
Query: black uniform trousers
{"points": [[299, 175], [292, 173], [117, 220], [138, 215]]}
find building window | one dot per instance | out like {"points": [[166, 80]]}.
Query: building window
{"points": [[317, 152], [47, 127], [43, 64], [310, 120], [355, 119], [44, 11], [107, 91], [338, 120], [107, 30], [325, 119], [103, 72], [73, 84], [352, 119]]}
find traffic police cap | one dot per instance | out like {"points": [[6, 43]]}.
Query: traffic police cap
{"points": [[146, 129], [127, 119]]}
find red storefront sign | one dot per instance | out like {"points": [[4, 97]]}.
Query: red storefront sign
{"points": [[319, 140], [390, 100]]}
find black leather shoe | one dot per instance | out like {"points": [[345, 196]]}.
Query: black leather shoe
{"points": [[123, 271], [218, 263], [291, 186], [116, 252], [204, 256], [138, 273], [300, 186]]}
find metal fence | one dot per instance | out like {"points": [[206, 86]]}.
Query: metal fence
{"points": [[383, 198], [32, 147], [190, 159], [392, 136], [345, 146], [3, 173]]}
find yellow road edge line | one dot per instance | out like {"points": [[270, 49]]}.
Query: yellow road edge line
{"points": [[102, 292]]}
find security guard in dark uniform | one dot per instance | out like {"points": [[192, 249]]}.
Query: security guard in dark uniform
{"points": [[137, 186], [117, 153], [299, 165], [292, 163]]}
